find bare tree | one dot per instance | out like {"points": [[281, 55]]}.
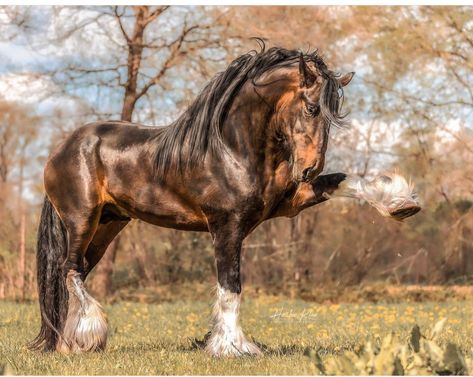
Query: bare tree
{"points": [[17, 131], [410, 103]]}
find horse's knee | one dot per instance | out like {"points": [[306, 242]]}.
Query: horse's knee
{"points": [[229, 279], [228, 266], [85, 328]]}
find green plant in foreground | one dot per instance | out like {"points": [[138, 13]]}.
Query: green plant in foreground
{"points": [[420, 355]]}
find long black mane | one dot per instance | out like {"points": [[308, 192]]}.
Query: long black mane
{"points": [[197, 131]]}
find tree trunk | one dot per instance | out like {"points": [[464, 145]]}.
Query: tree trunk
{"points": [[22, 255], [22, 234], [128, 107], [293, 256], [135, 52]]}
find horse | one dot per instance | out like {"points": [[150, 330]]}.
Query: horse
{"points": [[251, 147]]}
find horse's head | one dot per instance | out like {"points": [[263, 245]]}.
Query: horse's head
{"points": [[306, 113], [277, 101]]}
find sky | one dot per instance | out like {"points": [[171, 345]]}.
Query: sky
{"points": [[33, 58]]}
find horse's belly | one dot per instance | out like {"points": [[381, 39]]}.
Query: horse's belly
{"points": [[162, 208], [171, 219]]}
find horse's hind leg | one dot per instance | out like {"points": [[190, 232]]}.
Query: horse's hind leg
{"points": [[74, 182], [104, 235], [85, 328]]}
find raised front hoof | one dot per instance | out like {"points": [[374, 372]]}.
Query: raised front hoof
{"points": [[219, 348], [404, 212]]}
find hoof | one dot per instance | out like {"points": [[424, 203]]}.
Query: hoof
{"points": [[226, 337], [404, 212], [225, 348], [89, 335], [85, 333]]}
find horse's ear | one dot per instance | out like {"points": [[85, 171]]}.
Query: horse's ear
{"points": [[306, 76], [346, 78]]}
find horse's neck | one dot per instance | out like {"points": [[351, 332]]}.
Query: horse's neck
{"points": [[246, 129], [249, 129]]}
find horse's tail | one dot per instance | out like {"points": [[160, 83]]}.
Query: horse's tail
{"points": [[52, 290]]}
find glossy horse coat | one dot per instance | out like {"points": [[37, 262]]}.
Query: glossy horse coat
{"points": [[248, 149]]}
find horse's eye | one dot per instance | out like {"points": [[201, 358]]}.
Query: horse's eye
{"points": [[280, 138], [312, 109]]}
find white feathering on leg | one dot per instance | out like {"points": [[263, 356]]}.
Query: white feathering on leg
{"points": [[86, 325], [387, 192], [227, 338]]}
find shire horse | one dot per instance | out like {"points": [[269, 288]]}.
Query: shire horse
{"points": [[249, 148]]}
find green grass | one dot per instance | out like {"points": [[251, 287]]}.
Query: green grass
{"points": [[160, 338]]}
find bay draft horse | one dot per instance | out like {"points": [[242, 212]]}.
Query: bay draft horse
{"points": [[249, 148]]}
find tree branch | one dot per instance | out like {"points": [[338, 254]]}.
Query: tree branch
{"points": [[120, 24], [175, 47]]}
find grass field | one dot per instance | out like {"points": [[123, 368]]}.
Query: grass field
{"points": [[164, 338]]}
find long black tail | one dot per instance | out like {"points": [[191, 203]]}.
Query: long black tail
{"points": [[52, 290]]}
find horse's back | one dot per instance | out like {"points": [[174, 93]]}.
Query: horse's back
{"points": [[82, 160], [122, 134], [86, 140]]}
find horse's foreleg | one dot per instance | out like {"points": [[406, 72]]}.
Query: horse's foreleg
{"points": [[308, 194], [227, 338], [325, 185], [391, 194]]}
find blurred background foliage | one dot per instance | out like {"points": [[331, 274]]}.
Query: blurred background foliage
{"points": [[411, 106]]}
